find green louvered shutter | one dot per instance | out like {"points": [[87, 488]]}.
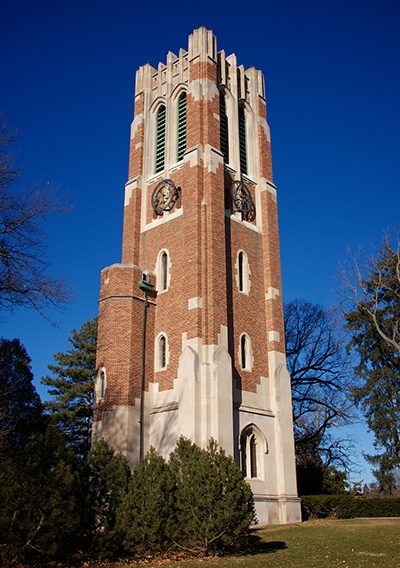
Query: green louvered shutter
{"points": [[223, 128], [160, 139], [242, 141], [181, 126]]}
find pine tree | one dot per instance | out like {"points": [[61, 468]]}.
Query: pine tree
{"points": [[42, 502], [20, 406], [72, 388], [147, 513], [213, 504], [372, 292], [109, 475]]}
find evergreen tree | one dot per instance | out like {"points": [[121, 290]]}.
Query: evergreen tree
{"points": [[42, 503], [72, 388], [315, 478], [20, 406], [371, 291], [146, 517], [109, 474], [213, 504]]}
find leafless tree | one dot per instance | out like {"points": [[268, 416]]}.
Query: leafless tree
{"points": [[26, 278], [322, 378]]}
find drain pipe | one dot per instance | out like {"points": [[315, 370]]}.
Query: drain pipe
{"points": [[145, 287]]}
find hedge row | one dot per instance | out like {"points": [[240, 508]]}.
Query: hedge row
{"points": [[348, 507]]}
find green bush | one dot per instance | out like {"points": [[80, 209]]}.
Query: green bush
{"points": [[146, 513], [198, 501], [348, 507], [213, 504], [42, 501], [109, 474]]}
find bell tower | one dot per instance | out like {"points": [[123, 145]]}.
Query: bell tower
{"points": [[204, 354]]}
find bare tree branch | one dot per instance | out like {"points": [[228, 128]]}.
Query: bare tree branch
{"points": [[26, 278], [322, 379]]}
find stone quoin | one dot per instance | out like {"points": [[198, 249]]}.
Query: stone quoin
{"points": [[201, 225]]}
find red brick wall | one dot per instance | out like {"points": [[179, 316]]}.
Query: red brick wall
{"points": [[203, 244]]}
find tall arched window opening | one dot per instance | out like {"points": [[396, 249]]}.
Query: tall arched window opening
{"points": [[242, 141], [160, 139], [162, 352], [253, 456], [251, 450], [243, 351], [242, 276], [164, 271], [223, 128], [181, 126], [240, 271], [102, 383]]}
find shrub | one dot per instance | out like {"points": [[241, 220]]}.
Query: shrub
{"points": [[109, 474], [146, 511], [42, 502], [348, 507], [213, 504]]}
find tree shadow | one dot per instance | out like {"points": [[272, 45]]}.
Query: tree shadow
{"points": [[257, 545]]}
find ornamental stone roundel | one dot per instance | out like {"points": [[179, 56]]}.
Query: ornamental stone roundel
{"points": [[163, 197], [241, 197]]}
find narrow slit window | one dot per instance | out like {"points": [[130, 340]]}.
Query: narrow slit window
{"points": [[253, 456], [250, 449], [242, 141], [243, 348], [240, 271], [181, 126], [223, 128], [244, 457], [160, 139], [102, 383], [164, 271], [162, 352]]}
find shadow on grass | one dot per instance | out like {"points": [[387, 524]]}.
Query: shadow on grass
{"points": [[257, 545]]}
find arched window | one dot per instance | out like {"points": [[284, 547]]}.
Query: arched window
{"points": [[160, 139], [181, 126], [245, 353], [242, 272], [101, 384], [253, 456], [252, 447], [223, 127], [163, 271], [161, 352], [242, 141]]}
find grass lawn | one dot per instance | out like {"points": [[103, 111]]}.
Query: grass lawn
{"points": [[354, 543]]}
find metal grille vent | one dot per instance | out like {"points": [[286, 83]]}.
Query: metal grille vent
{"points": [[181, 126], [160, 139], [242, 142]]}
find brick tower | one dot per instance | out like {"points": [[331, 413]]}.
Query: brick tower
{"points": [[204, 356]]}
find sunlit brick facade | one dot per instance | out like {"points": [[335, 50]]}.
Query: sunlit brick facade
{"points": [[214, 344]]}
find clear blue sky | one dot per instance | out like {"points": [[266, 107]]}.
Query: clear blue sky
{"points": [[332, 75]]}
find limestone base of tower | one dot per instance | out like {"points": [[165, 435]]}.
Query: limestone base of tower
{"points": [[255, 428]]}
